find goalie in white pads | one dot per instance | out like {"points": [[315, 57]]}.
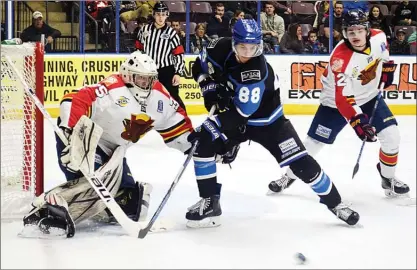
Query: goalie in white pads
{"points": [[358, 66], [125, 106]]}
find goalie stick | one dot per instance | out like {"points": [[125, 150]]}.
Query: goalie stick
{"points": [[131, 227], [143, 232]]}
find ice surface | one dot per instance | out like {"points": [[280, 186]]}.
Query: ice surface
{"points": [[258, 231]]}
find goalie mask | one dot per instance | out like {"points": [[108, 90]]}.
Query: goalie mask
{"points": [[139, 73]]}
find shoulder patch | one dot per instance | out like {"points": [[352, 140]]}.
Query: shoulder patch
{"points": [[250, 75], [337, 64]]}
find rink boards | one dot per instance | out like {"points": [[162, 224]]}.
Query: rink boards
{"points": [[299, 77]]}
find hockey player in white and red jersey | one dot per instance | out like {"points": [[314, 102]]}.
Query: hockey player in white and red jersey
{"points": [[358, 67], [126, 106]]}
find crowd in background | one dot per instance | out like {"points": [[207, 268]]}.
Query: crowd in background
{"points": [[289, 27]]}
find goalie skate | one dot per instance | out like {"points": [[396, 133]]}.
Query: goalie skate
{"points": [[205, 213]]}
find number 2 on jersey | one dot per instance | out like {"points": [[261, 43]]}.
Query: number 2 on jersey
{"points": [[245, 95]]}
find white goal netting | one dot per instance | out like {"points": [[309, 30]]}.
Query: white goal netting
{"points": [[20, 137]]}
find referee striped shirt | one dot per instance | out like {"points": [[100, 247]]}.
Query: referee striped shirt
{"points": [[163, 45]]}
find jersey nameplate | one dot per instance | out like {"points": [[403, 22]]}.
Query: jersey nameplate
{"points": [[251, 75]]}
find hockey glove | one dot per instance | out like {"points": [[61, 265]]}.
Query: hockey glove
{"points": [[388, 70], [363, 129], [136, 127], [209, 133], [214, 94], [229, 157]]}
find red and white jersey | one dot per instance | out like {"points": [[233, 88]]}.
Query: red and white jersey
{"points": [[352, 78], [110, 102]]}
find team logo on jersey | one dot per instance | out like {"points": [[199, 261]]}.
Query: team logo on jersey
{"points": [[337, 65], [369, 73], [323, 131], [122, 101], [251, 75], [160, 108]]}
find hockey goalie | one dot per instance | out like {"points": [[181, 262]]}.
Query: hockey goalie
{"points": [[110, 116]]}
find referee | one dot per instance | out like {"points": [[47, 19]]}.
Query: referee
{"points": [[163, 45]]}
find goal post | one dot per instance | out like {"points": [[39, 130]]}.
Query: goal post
{"points": [[22, 138]]}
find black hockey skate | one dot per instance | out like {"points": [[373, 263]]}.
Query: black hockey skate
{"points": [[392, 187], [205, 213], [343, 212], [279, 185]]}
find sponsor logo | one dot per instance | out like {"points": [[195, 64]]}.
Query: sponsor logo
{"points": [[323, 131], [212, 130], [160, 108], [287, 145], [251, 75], [122, 101]]}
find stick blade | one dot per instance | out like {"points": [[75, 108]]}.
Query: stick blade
{"points": [[143, 233], [355, 170]]}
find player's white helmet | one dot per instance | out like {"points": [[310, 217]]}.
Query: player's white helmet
{"points": [[139, 73]]}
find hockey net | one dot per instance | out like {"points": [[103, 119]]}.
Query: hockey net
{"points": [[21, 129]]}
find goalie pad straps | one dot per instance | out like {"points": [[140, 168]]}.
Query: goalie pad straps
{"points": [[84, 141]]}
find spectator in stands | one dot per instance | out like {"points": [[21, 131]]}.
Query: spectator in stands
{"points": [[245, 6], [337, 34], [283, 9], [177, 27], [412, 39], [140, 9], [292, 41], [33, 33], [199, 39], [322, 12], [337, 18], [378, 21], [312, 45], [239, 14], [400, 46], [272, 25], [218, 24], [404, 14], [356, 4]]}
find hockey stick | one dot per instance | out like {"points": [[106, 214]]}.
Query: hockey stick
{"points": [[143, 232], [129, 225], [356, 168]]}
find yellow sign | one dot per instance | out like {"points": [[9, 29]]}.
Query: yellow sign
{"points": [[66, 73]]}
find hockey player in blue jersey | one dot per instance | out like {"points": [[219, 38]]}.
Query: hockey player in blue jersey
{"points": [[234, 75]]}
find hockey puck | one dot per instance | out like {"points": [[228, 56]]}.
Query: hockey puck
{"points": [[300, 258]]}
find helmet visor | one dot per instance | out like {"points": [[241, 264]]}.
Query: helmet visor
{"points": [[248, 49], [144, 83]]}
